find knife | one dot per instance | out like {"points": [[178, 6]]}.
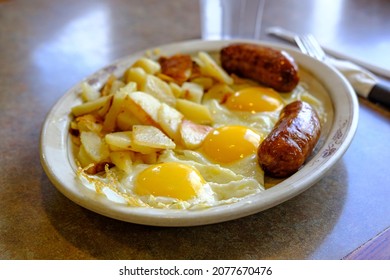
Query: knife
{"points": [[365, 83]]}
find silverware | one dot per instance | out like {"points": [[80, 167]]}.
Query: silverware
{"points": [[289, 36], [365, 83], [310, 46]]}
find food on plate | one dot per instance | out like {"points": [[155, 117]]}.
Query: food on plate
{"points": [[177, 67], [170, 179], [265, 65], [228, 143], [178, 131], [292, 140], [254, 100]]}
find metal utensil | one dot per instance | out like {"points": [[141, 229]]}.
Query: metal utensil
{"points": [[364, 82], [289, 36], [310, 46]]}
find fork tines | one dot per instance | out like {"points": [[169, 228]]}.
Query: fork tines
{"points": [[310, 46]]}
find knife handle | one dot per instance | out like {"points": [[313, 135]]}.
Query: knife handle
{"points": [[380, 93]]}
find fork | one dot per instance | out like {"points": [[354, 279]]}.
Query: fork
{"points": [[309, 45], [365, 83]]}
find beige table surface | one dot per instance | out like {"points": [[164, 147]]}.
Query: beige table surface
{"points": [[48, 46]]}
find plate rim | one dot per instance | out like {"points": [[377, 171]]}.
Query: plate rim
{"points": [[248, 206]]}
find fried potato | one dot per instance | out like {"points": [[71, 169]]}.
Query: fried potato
{"points": [[169, 119], [123, 160], [123, 141], [143, 106], [210, 68], [192, 134], [159, 89], [195, 112], [150, 66], [95, 147], [117, 106], [137, 75], [132, 118], [125, 120], [150, 136], [88, 93], [192, 91], [90, 106]]}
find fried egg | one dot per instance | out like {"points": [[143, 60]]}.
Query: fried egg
{"points": [[222, 170], [228, 144], [255, 99], [175, 183], [171, 179], [224, 183]]}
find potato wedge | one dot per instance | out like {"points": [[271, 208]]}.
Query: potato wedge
{"points": [[192, 91], [90, 106], [205, 82], [89, 122], [94, 146], [102, 112], [159, 89], [193, 134], [106, 90], [150, 66], [143, 106], [83, 157], [219, 92], [169, 119], [117, 105], [151, 137], [116, 85], [137, 75], [150, 158], [88, 93], [118, 141], [126, 120], [123, 140], [123, 160], [195, 112], [210, 68], [176, 89]]}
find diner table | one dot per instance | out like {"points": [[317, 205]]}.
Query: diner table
{"points": [[48, 46]]}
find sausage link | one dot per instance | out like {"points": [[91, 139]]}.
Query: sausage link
{"points": [[267, 66], [291, 141]]}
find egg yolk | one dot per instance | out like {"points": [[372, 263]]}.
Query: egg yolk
{"points": [[254, 99], [170, 179], [228, 144]]}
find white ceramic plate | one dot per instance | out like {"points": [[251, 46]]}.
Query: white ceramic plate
{"points": [[57, 158]]}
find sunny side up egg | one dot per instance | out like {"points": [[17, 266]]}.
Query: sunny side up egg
{"points": [[228, 144], [255, 99], [170, 179], [224, 169]]}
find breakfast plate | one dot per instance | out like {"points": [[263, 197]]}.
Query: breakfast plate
{"points": [[335, 93]]}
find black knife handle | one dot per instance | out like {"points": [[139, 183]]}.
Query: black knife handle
{"points": [[380, 93]]}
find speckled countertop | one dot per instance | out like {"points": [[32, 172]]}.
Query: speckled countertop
{"points": [[48, 46]]}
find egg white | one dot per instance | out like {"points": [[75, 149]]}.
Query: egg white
{"points": [[225, 183]]}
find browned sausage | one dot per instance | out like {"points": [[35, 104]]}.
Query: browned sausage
{"points": [[291, 141], [267, 66]]}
